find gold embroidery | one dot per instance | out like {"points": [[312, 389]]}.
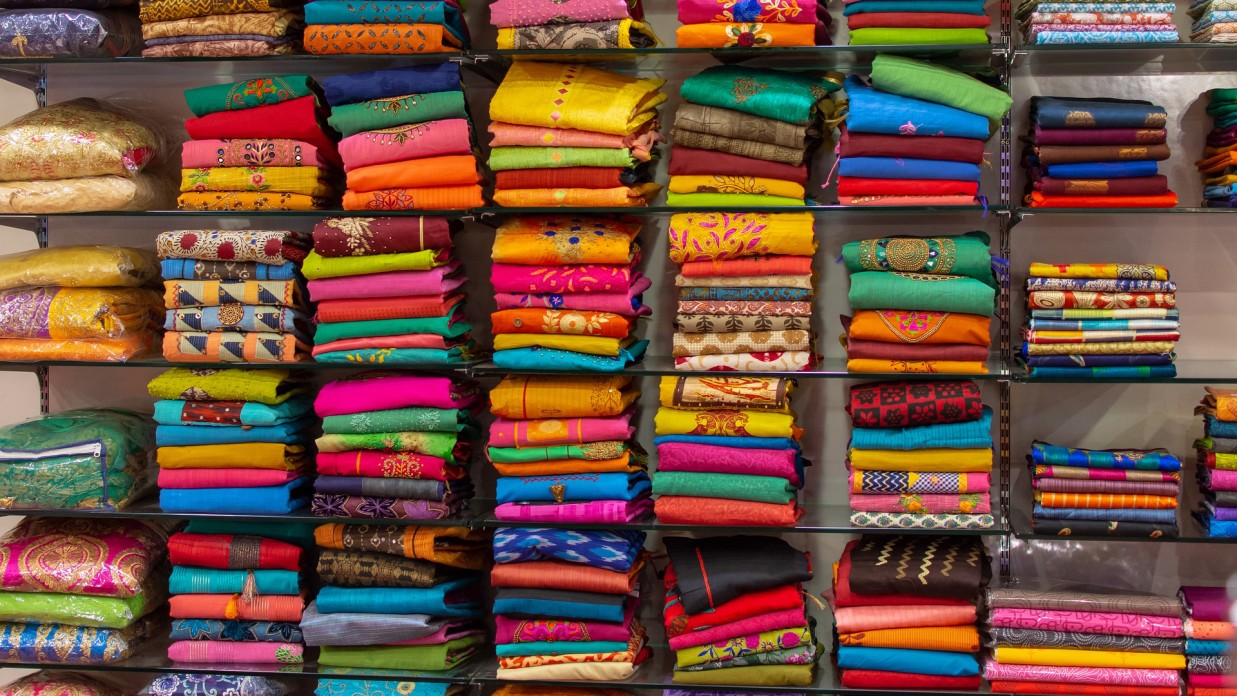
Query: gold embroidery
{"points": [[1075, 119]]}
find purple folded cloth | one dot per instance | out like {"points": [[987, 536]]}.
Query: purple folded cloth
{"points": [[1205, 603]]}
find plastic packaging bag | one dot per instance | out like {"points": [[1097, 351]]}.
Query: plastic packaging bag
{"points": [[78, 138], [57, 683], [118, 350], [66, 33], [84, 195], [79, 267], [106, 558]]}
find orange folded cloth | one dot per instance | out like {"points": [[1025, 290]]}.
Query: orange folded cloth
{"points": [[448, 170], [378, 39], [426, 198], [1105, 501], [686, 509], [855, 619], [1217, 163], [878, 366], [754, 266], [1163, 200], [561, 321], [560, 575], [367, 309], [947, 638], [224, 606], [908, 326], [725, 35], [619, 197]]}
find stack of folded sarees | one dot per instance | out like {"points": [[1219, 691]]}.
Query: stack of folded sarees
{"points": [[1100, 320], [745, 290], [407, 139], [232, 441], [397, 598], [1104, 492], [393, 449], [1103, 22], [1208, 641], [352, 686], [573, 136], [237, 593], [1219, 163], [884, 23], [734, 612], [387, 292], [898, 630], [920, 456], [920, 304], [285, 160], [1045, 642], [744, 136], [571, 615], [79, 303], [1215, 21], [1096, 153], [1217, 462], [583, 467], [916, 135], [727, 474], [219, 29], [753, 24], [234, 296], [551, 25], [575, 258], [340, 27], [80, 591]]}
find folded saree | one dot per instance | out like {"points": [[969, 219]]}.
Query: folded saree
{"points": [[230, 652], [689, 161], [580, 278], [395, 110], [387, 308], [561, 397], [917, 20], [617, 197], [423, 658], [685, 509], [748, 266], [451, 546], [734, 124], [626, 303], [250, 152], [1039, 199], [1100, 136], [1068, 154], [248, 200], [1103, 500], [1033, 638], [735, 185], [538, 433], [915, 35], [855, 619], [1043, 453], [306, 181], [370, 486], [994, 671], [379, 39], [909, 327], [267, 500], [387, 465], [671, 421], [225, 606], [68, 644], [873, 111], [926, 292], [944, 459], [222, 478], [934, 662], [928, 503], [721, 236], [359, 628], [255, 455], [852, 185], [639, 143], [213, 293], [382, 390], [1064, 657], [784, 96], [906, 168], [252, 318], [406, 143], [856, 144], [363, 506], [964, 255], [595, 101], [192, 435], [610, 512], [572, 488], [442, 171], [357, 87], [1088, 622], [903, 482], [256, 246], [450, 325], [690, 344], [1072, 112], [1112, 348], [79, 267], [1063, 485], [960, 639], [622, 33], [740, 147], [234, 630], [744, 310], [760, 489], [391, 284], [66, 313], [218, 47], [534, 240], [227, 551], [295, 119], [1069, 299], [540, 358], [695, 458]]}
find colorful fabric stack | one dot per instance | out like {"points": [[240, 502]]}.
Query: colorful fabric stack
{"points": [[258, 145], [339, 27], [1096, 153], [1103, 22], [1075, 642], [744, 136], [1213, 23], [550, 25], [566, 135], [898, 630], [734, 612], [589, 265], [237, 595], [885, 23], [916, 136], [79, 591], [232, 441], [392, 447], [351, 686], [580, 464], [728, 452], [1217, 462], [920, 304], [708, 24], [1219, 163], [186, 684], [234, 296], [1104, 492], [745, 290], [565, 603], [920, 456], [55, 681], [407, 140], [1115, 320], [1208, 641], [173, 29], [387, 292], [403, 598], [79, 303]]}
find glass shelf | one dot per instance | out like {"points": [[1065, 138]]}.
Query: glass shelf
{"points": [[163, 364], [1189, 530], [1118, 59], [817, 519], [818, 208], [1021, 213], [829, 368], [1188, 372], [317, 214]]}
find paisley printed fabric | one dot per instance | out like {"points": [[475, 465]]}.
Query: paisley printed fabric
{"points": [[623, 33], [110, 558], [213, 685], [64, 644]]}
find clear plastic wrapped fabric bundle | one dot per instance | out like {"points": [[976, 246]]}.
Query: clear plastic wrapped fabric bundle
{"points": [[88, 458], [80, 267], [67, 33], [60, 683]]}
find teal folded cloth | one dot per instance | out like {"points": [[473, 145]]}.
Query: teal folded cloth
{"points": [[1207, 647], [189, 435], [394, 356], [460, 597], [558, 647], [969, 435], [921, 291], [539, 358], [187, 580], [216, 413]]}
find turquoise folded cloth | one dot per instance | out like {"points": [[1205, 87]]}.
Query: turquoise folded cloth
{"points": [[187, 580]]}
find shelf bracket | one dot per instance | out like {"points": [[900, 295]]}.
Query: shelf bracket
{"points": [[43, 374], [492, 69]]}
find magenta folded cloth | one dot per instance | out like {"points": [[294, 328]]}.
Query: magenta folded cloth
{"points": [[230, 652], [592, 512], [505, 432], [1089, 622], [509, 630], [438, 281], [926, 503], [382, 390], [413, 141], [708, 11], [1221, 480], [446, 634], [716, 459], [237, 152], [531, 13], [995, 671], [226, 478], [627, 304], [772, 621], [1205, 603], [585, 278]]}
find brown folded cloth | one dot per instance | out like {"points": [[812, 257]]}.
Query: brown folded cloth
{"points": [[734, 124], [736, 146], [876, 350], [1066, 154], [934, 147], [1136, 186], [686, 161]]}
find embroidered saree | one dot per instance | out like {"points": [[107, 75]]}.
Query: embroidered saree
{"points": [[575, 96]]}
